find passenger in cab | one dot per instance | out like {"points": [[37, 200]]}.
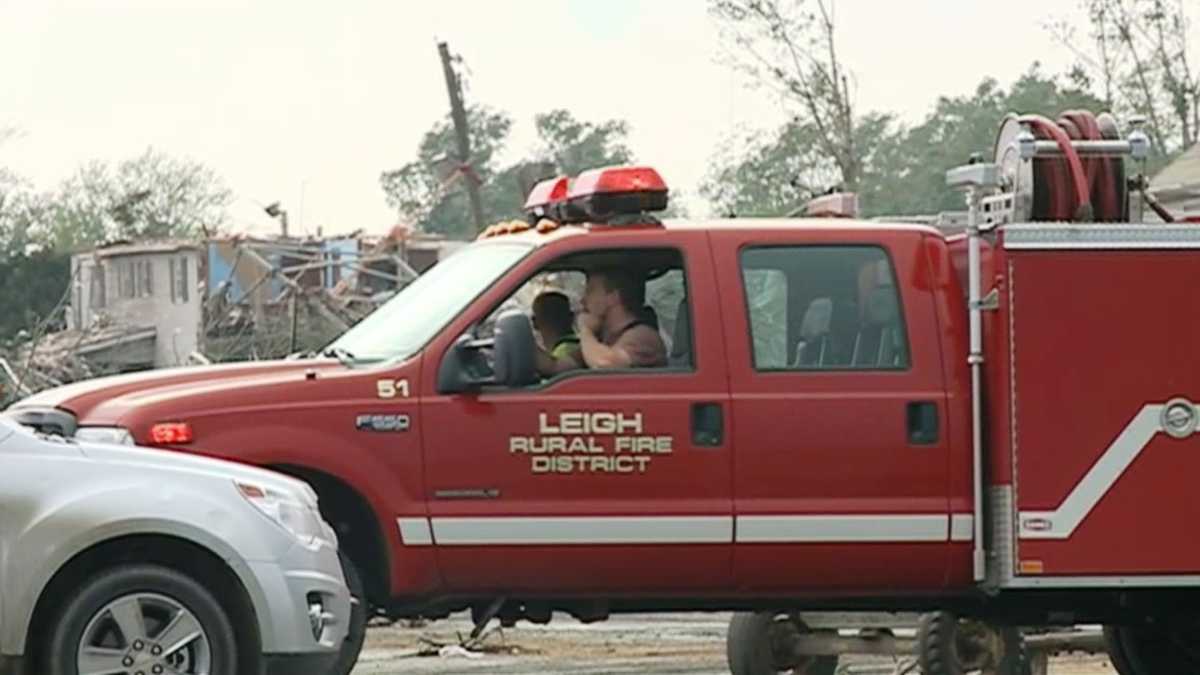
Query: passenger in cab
{"points": [[555, 324], [613, 329]]}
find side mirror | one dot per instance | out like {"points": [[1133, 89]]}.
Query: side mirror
{"points": [[515, 360], [454, 374]]}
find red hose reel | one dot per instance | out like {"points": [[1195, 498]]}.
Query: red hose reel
{"points": [[1064, 186]]}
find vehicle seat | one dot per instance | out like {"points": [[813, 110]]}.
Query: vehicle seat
{"points": [[681, 339], [814, 347], [880, 342]]}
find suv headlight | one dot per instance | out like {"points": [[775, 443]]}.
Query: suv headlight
{"points": [[114, 435], [285, 510]]}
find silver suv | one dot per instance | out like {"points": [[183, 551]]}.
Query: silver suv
{"points": [[118, 560]]}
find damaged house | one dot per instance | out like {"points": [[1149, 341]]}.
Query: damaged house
{"points": [[132, 307]]}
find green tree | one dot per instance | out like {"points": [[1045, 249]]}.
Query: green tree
{"points": [[152, 196], [789, 47], [32, 286], [574, 146], [773, 175], [908, 175], [21, 209], [902, 169], [429, 190], [1138, 53]]}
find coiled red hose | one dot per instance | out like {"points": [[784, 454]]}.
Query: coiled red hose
{"points": [[1076, 189], [1062, 209]]}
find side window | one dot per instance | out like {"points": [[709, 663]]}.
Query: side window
{"points": [[648, 291], [766, 293], [97, 298], [666, 304], [179, 280], [824, 308], [145, 279]]}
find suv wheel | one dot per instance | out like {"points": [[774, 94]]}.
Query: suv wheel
{"points": [[142, 620], [357, 632]]}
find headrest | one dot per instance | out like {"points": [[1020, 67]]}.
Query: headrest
{"points": [[817, 318], [871, 276], [681, 339], [882, 307]]}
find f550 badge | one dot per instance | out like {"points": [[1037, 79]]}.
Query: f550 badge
{"points": [[383, 423]]}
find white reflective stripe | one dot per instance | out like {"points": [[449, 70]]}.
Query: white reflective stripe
{"points": [[1103, 582], [588, 530], [832, 529], [962, 527], [415, 531], [1061, 522], [506, 531], [1094, 236]]}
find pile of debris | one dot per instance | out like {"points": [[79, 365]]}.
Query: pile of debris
{"points": [[272, 297], [71, 355]]}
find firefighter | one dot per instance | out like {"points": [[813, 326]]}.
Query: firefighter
{"points": [[555, 324], [614, 330]]}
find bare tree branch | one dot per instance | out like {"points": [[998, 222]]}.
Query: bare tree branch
{"points": [[797, 50]]}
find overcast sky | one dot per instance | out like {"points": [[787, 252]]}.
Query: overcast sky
{"points": [[308, 102]]}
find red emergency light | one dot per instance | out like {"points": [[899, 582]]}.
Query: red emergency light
{"points": [[545, 195], [601, 195], [833, 205]]}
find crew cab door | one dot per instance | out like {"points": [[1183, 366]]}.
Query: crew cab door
{"points": [[635, 496], [839, 410]]}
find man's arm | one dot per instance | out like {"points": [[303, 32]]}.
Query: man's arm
{"points": [[596, 354]]}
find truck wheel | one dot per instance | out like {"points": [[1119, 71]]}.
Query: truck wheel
{"points": [[1116, 651], [357, 633], [141, 619], [761, 643], [1158, 649], [947, 645]]}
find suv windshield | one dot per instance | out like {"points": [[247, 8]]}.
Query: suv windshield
{"points": [[406, 322]]}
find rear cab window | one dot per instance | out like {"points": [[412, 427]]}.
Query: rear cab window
{"points": [[823, 307]]}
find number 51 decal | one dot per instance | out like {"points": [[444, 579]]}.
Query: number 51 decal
{"points": [[392, 388]]}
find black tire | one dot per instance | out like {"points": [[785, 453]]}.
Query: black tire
{"points": [[62, 645], [1159, 649], [1116, 651], [750, 648], [940, 652], [357, 634]]}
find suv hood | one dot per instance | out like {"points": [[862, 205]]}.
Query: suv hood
{"points": [[182, 463], [140, 460]]}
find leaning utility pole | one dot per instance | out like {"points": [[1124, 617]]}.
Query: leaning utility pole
{"points": [[459, 115]]}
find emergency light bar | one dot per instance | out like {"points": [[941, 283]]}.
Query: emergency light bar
{"points": [[601, 194], [598, 195]]}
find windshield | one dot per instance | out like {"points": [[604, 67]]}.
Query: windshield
{"points": [[408, 321]]}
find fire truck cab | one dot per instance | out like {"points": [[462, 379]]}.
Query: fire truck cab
{"points": [[850, 414]]}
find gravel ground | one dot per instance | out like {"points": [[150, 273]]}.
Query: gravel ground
{"points": [[673, 644]]}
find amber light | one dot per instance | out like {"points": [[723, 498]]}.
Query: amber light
{"points": [[171, 433]]}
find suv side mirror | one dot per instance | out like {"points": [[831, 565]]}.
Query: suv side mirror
{"points": [[514, 360]]}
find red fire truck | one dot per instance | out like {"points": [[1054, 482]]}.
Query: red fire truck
{"points": [[855, 415]]}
